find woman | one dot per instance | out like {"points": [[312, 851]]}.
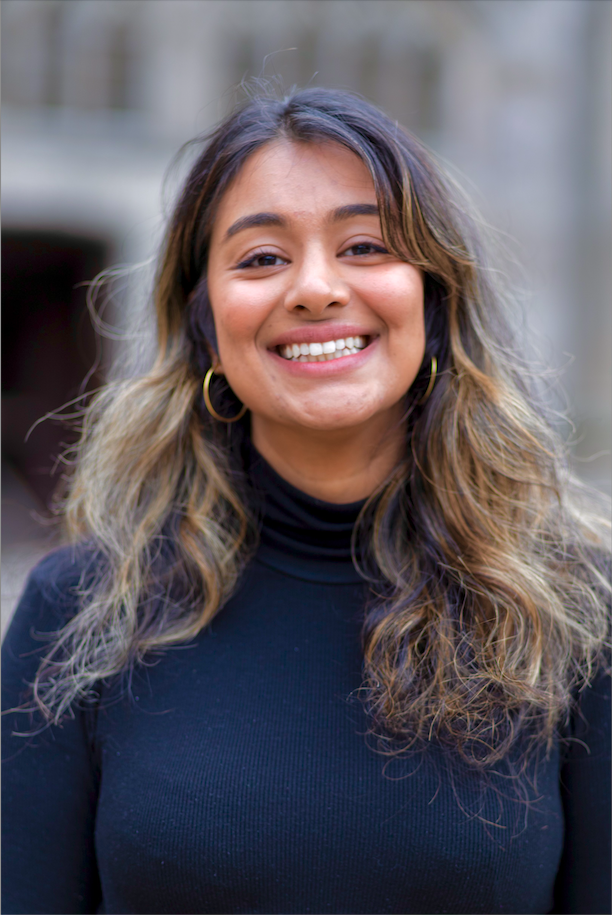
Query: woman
{"points": [[335, 494]]}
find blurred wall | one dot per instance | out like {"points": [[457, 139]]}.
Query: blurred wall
{"points": [[99, 94]]}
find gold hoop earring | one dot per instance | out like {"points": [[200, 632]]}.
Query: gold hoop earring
{"points": [[432, 379], [209, 406]]}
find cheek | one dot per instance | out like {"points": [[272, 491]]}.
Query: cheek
{"points": [[397, 297], [240, 312]]}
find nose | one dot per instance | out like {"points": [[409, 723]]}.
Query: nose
{"points": [[316, 285]]}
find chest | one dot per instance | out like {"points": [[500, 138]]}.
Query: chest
{"points": [[240, 778]]}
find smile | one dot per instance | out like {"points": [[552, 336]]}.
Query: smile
{"points": [[324, 351]]}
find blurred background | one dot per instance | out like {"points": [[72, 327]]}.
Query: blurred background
{"points": [[99, 94]]}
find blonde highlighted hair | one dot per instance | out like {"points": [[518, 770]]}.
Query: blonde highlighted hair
{"points": [[488, 604]]}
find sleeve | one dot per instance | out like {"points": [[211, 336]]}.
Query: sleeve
{"points": [[584, 877], [49, 781]]}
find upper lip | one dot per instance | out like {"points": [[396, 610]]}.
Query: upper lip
{"points": [[320, 334]]}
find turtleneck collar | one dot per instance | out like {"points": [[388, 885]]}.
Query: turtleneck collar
{"points": [[300, 535]]}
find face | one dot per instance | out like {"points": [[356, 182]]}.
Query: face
{"points": [[318, 326]]}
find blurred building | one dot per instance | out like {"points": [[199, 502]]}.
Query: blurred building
{"points": [[99, 94]]}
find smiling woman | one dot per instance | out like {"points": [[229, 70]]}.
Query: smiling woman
{"points": [[335, 489]]}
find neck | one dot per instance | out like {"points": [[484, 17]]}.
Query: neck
{"points": [[338, 466]]}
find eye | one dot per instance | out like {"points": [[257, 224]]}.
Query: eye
{"points": [[364, 248], [261, 259]]}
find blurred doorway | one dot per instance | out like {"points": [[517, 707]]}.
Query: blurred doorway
{"points": [[48, 348]]}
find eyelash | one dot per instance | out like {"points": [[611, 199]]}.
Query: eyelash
{"points": [[377, 249], [249, 261]]}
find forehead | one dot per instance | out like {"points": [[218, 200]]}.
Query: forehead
{"points": [[286, 176]]}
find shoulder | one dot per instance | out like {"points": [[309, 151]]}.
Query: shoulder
{"points": [[593, 707], [50, 597], [60, 572], [588, 735]]}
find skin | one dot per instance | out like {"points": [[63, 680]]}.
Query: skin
{"points": [[332, 429]]}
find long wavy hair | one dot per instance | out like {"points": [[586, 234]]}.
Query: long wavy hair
{"points": [[488, 596]]}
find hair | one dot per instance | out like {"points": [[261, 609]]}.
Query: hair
{"points": [[487, 608]]}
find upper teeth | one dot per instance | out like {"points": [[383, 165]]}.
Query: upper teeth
{"points": [[319, 352]]}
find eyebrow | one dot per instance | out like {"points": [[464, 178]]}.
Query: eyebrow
{"points": [[354, 209], [273, 219], [256, 219]]}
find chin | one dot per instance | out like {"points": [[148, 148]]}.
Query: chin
{"points": [[332, 420]]}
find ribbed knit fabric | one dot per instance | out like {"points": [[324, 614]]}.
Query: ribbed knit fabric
{"points": [[236, 775]]}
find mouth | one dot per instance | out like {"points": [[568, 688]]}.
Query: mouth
{"points": [[324, 350]]}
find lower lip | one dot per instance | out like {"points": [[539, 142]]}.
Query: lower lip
{"points": [[329, 367]]}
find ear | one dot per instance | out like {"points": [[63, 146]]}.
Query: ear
{"points": [[214, 359], [202, 323]]}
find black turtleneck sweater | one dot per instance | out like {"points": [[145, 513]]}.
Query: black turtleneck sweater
{"points": [[235, 774]]}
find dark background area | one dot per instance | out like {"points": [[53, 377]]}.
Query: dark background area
{"points": [[48, 346]]}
